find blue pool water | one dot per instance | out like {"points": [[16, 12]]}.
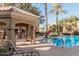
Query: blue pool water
{"points": [[65, 41]]}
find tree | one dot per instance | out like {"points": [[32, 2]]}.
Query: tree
{"points": [[70, 23], [73, 22], [53, 28], [46, 15], [9, 4], [57, 9], [25, 6]]}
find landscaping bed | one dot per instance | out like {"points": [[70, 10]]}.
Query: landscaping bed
{"points": [[5, 49], [73, 33], [53, 35]]}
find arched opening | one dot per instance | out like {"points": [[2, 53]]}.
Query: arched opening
{"points": [[21, 31], [3, 34]]}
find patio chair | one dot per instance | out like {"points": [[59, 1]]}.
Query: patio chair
{"points": [[14, 51]]}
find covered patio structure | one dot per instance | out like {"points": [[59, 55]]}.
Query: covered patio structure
{"points": [[16, 22]]}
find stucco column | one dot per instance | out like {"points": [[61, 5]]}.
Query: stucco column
{"points": [[11, 31], [33, 35], [28, 35], [20, 32]]}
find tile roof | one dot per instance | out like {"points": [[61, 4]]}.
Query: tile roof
{"points": [[15, 9]]}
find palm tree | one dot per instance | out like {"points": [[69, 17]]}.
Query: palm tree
{"points": [[57, 9], [46, 15], [73, 22]]}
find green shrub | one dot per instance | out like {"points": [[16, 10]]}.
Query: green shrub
{"points": [[76, 33], [3, 50], [53, 34], [5, 47], [73, 33], [66, 34]]}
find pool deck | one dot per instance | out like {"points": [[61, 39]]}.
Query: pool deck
{"points": [[61, 52], [47, 49]]}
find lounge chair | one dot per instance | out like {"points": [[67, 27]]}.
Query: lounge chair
{"points": [[14, 51]]}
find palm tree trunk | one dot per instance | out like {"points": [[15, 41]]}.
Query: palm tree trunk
{"points": [[46, 15], [57, 21]]}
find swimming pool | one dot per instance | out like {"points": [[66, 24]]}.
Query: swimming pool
{"points": [[67, 41]]}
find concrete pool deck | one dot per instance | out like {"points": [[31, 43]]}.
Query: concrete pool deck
{"points": [[49, 50]]}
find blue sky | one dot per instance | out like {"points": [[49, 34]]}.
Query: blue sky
{"points": [[71, 8]]}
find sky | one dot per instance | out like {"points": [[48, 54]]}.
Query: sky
{"points": [[72, 9]]}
